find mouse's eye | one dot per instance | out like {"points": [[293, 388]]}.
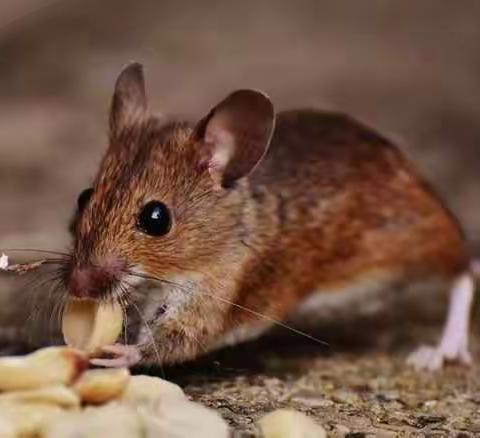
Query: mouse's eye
{"points": [[84, 198], [155, 219]]}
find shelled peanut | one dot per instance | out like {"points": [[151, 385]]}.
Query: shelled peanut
{"points": [[51, 393]]}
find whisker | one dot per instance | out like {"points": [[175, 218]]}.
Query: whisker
{"points": [[143, 320], [58, 308], [269, 319], [150, 335], [40, 251], [35, 306], [148, 277], [274, 321], [123, 302], [43, 311], [202, 346], [41, 315], [33, 287]]}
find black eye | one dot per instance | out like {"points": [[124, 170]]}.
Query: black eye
{"points": [[84, 198], [155, 219]]}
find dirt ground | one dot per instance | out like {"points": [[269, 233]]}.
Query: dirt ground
{"points": [[411, 69], [366, 393]]}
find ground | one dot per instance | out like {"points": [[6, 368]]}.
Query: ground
{"points": [[361, 393]]}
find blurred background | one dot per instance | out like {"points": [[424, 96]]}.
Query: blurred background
{"points": [[411, 69]]}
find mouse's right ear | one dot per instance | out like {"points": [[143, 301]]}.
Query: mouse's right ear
{"points": [[129, 102]]}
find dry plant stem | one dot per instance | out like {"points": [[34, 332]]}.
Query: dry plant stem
{"points": [[23, 268]]}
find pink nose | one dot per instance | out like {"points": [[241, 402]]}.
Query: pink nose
{"points": [[87, 282], [94, 281]]}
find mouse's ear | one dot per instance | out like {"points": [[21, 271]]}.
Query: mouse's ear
{"points": [[235, 135], [129, 102]]}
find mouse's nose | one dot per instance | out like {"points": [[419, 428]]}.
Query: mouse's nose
{"points": [[86, 282], [93, 281]]}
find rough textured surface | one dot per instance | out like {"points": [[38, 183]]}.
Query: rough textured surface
{"points": [[361, 393]]}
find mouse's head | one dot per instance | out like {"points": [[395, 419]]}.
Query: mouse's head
{"points": [[166, 199]]}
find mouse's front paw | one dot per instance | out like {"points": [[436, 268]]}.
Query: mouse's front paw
{"points": [[118, 356], [430, 358]]}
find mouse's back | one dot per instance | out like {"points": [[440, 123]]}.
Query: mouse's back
{"points": [[333, 201]]}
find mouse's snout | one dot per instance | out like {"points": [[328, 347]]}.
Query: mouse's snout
{"points": [[94, 280]]}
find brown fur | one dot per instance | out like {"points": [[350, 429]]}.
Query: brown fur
{"points": [[331, 202]]}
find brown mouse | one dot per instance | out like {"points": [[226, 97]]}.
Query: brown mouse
{"points": [[248, 210]]}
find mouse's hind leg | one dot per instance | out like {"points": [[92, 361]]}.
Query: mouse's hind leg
{"points": [[453, 345]]}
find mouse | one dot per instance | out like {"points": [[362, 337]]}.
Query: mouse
{"points": [[215, 229]]}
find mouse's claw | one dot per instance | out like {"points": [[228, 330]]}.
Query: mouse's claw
{"points": [[432, 358], [121, 356]]}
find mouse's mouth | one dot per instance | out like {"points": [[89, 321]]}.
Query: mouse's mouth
{"points": [[120, 314]]}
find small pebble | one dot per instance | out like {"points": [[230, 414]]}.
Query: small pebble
{"points": [[312, 402], [345, 397], [430, 404]]}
